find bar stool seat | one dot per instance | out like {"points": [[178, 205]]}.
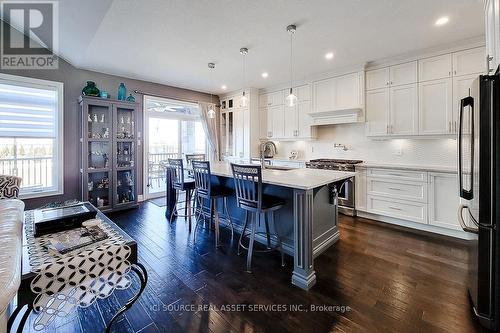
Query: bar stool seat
{"points": [[249, 196], [181, 182], [205, 190]]}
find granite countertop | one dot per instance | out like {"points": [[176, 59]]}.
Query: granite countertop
{"points": [[304, 179], [419, 167], [282, 159]]}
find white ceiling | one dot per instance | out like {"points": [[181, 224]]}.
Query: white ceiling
{"points": [[172, 41]]}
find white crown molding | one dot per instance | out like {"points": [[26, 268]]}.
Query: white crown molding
{"points": [[394, 60]]}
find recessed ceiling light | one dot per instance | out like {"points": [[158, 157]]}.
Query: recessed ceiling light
{"points": [[265, 74], [329, 55], [223, 87], [442, 20]]}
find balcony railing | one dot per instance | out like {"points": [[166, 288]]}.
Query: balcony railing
{"points": [[36, 172]]}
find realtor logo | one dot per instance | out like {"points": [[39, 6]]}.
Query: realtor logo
{"points": [[29, 36]]}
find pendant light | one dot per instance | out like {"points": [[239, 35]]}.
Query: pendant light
{"points": [[244, 99], [291, 98], [211, 111]]}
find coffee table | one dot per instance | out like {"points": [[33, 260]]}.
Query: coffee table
{"points": [[26, 297]]}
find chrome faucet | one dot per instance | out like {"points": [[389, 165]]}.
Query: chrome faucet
{"points": [[268, 145]]}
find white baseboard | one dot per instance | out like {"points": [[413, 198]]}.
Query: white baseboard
{"points": [[418, 226]]}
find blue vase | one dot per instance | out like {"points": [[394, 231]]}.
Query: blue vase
{"points": [[122, 92], [131, 99]]}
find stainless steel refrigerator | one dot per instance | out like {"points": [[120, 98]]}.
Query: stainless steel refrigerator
{"points": [[479, 177]]}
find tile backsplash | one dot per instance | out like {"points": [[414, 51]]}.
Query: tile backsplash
{"points": [[421, 150]]}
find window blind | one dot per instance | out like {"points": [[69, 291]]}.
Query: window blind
{"points": [[28, 112]]}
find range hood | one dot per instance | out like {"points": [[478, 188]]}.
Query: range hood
{"points": [[340, 116]]}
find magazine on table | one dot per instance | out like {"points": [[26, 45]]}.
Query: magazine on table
{"points": [[76, 238]]}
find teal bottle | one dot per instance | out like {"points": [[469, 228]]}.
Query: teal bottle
{"points": [[122, 92]]}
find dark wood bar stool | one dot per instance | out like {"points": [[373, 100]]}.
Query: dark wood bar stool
{"points": [[248, 186], [180, 182], [205, 190]]}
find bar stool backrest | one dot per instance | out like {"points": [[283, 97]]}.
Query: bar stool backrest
{"points": [[194, 157], [202, 175], [177, 173], [248, 186]]}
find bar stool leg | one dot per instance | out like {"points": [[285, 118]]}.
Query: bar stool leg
{"points": [[268, 235], [280, 243], [250, 245], [186, 202], [211, 208], [174, 209], [226, 210], [243, 231], [216, 223]]}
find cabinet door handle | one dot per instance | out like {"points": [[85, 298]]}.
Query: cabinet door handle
{"points": [[449, 73], [449, 127], [488, 59], [395, 208], [387, 130], [455, 126], [394, 188], [455, 72]]}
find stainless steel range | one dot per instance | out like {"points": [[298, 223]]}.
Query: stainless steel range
{"points": [[346, 195]]}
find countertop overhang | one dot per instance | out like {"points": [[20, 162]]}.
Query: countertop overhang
{"points": [[304, 179]]}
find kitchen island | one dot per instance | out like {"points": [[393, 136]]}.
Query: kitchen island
{"points": [[307, 223]]}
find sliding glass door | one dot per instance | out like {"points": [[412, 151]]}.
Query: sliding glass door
{"points": [[172, 130]]}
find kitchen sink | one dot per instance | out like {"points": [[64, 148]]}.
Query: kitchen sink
{"points": [[276, 167]]}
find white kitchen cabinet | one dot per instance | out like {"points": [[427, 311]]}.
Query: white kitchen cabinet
{"points": [[271, 99], [461, 86], [403, 110], [263, 123], [443, 200], [305, 130], [377, 112], [377, 79], [433, 68], [239, 129], [324, 95], [492, 31], [338, 93], [471, 61], [402, 209], [275, 121], [290, 120], [403, 74], [360, 190], [435, 107], [303, 93]]}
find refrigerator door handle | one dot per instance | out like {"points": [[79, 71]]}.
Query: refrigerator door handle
{"points": [[467, 101], [463, 225]]}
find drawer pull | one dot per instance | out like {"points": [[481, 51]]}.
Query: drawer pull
{"points": [[394, 188], [395, 208]]}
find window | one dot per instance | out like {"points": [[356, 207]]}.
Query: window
{"points": [[173, 129], [31, 134]]}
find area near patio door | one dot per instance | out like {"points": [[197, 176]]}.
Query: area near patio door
{"points": [[173, 129]]}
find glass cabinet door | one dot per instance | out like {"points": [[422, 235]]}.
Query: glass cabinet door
{"points": [[125, 123], [98, 189], [98, 155], [99, 122], [125, 154], [125, 187]]}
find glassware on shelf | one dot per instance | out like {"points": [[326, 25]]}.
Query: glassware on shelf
{"points": [[122, 92], [98, 189], [90, 89]]}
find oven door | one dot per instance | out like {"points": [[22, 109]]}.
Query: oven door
{"points": [[346, 193]]}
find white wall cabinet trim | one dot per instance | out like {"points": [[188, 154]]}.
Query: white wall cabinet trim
{"points": [[434, 68], [435, 107]]}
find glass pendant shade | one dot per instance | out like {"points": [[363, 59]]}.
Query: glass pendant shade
{"points": [[291, 98], [211, 113]]}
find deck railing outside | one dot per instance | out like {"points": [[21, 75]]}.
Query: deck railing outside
{"points": [[36, 172]]}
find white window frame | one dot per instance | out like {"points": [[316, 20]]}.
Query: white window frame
{"points": [[58, 173]]}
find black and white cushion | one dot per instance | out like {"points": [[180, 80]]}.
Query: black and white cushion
{"points": [[9, 187]]}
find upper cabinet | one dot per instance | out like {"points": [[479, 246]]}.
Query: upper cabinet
{"points": [[283, 122], [378, 78], [470, 61], [492, 31], [338, 99], [435, 68], [271, 99], [396, 75], [421, 97]]}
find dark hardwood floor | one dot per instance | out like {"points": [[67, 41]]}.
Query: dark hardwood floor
{"points": [[380, 278]]}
